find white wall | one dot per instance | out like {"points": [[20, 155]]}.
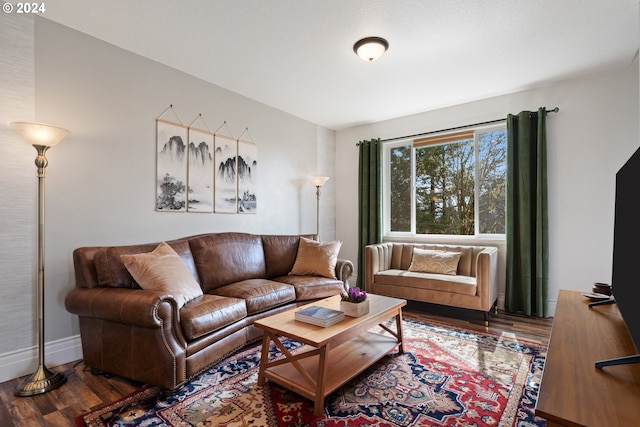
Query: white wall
{"points": [[594, 133], [101, 178], [327, 167]]}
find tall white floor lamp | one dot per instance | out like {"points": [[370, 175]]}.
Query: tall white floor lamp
{"points": [[318, 181], [42, 137]]}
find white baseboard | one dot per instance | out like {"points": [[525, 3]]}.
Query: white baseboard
{"points": [[552, 307], [552, 304], [24, 362]]}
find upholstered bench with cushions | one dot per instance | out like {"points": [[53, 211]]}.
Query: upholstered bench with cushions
{"points": [[458, 276], [161, 313]]}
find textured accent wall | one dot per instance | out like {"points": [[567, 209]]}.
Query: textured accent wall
{"points": [[17, 184]]}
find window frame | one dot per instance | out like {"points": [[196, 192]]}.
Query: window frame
{"points": [[386, 191]]}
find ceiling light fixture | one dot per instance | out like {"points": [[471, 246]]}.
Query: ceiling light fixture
{"points": [[371, 48]]}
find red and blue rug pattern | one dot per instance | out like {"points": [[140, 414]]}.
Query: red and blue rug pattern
{"points": [[447, 376]]}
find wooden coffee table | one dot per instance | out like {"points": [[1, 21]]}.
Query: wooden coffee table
{"points": [[339, 353]]}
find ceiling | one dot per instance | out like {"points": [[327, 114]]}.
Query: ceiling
{"points": [[296, 55]]}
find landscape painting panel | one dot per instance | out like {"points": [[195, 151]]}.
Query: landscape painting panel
{"points": [[200, 171], [171, 194], [247, 177], [225, 194]]}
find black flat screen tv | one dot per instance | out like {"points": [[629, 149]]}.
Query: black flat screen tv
{"points": [[625, 280]]}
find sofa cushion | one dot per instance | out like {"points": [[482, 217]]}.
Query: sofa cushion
{"points": [[316, 259], [258, 294], [226, 258], [110, 269], [163, 270], [312, 287], [209, 313], [434, 261], [280, 254], [439, 282]]}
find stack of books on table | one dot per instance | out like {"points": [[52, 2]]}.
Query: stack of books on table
{"points": [[320, 316]]}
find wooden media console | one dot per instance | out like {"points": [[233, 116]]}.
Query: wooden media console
{"points": [[573, 391]]}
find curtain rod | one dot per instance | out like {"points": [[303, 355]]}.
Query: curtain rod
{"points": [[554, 110]]}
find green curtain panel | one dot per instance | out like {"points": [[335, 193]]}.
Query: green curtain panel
{"points": [[369, 200], [527, 283]]}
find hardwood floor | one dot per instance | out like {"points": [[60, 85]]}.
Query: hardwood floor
{"points": [[85, 391], [522, 326]]}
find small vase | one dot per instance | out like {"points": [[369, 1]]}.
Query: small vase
{"points": [[354, 309]]}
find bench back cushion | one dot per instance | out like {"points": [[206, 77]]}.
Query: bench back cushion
{"points": [[403, 253]]}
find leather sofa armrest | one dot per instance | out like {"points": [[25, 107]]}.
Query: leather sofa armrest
{"points": [[136, 307], [115, 320], [344, 270], [487, 276]]}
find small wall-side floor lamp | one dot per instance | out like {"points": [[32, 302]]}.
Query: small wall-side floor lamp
{"points": [[318, 181], [42, 137]]}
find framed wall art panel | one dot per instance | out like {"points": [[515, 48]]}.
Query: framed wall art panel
{"points": [[247, 177], [171, 172], [225, 184], [200, 171]]}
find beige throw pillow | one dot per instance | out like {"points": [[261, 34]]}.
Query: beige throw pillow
{"points": [[163, 270], [316, 259], [433, 261]]}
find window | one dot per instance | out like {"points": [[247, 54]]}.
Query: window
{"points": [[452, 184]]}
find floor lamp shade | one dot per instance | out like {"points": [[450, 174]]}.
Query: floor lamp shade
{"points": [[42, 136], [319, 181], [39, 133]]}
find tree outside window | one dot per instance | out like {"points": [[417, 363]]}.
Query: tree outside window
{"points": [[453, 184]]}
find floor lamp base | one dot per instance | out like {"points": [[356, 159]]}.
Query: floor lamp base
{"points": [[41, 381]]}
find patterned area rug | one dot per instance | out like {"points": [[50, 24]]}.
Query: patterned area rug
{"points": [[447, 377]]}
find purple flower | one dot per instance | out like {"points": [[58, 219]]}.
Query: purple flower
{"points": [[353, 295]]}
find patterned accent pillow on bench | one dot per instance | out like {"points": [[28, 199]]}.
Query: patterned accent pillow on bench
{"points": [[434, 261]]}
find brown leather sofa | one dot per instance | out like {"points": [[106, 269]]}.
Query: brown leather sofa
{"points": [[473, 285], [142, 335]]}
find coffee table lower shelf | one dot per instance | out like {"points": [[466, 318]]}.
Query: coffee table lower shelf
{"points": [[342, 364], [332, 355]]}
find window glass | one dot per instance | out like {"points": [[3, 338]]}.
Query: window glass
{"points": [[492, 181], [444, 188], [448, 184], [400, 188]]}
